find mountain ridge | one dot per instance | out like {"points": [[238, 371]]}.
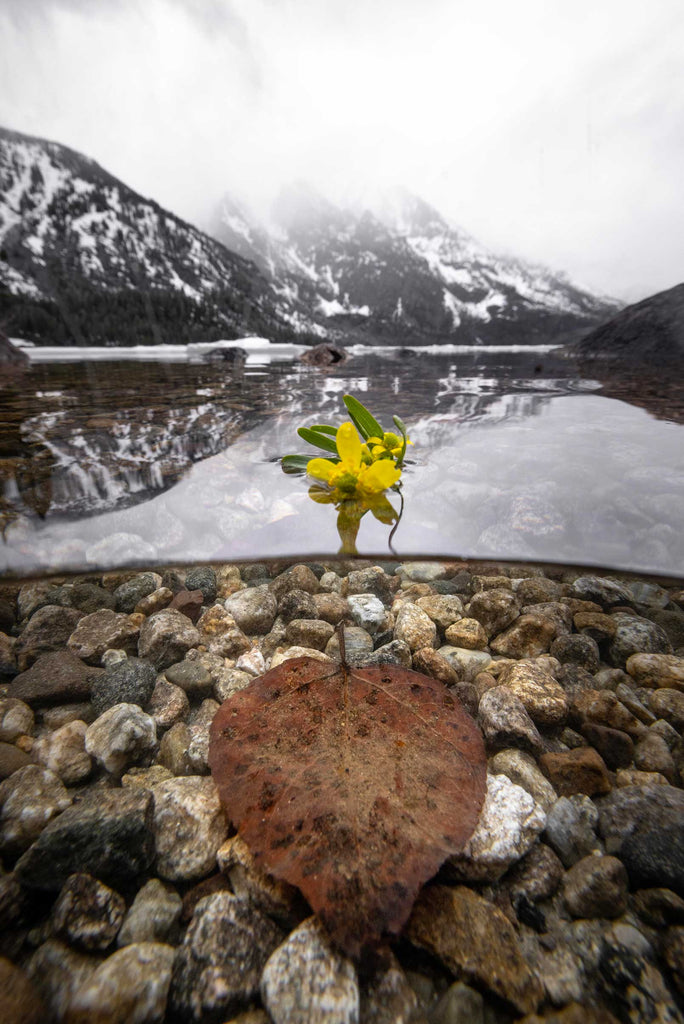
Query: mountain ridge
{"points": [[84, 259]]}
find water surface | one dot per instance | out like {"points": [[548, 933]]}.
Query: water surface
{"points": [[516, 456]]}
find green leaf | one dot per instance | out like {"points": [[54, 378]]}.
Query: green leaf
{"points": [[401, 426], [294, 463], [325, 428], [363, 420], [317, 439]]}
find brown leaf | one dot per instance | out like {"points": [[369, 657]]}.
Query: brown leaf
{"points": [[352, 784]]}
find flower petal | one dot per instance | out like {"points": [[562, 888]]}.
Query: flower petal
{"points": [[379, 476], [349, 446], [321, 469]]}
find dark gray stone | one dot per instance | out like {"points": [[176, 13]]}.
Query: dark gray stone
{"points": [[202, 578], [133, 590], [109, 835], [130, 682], [636, 636]]}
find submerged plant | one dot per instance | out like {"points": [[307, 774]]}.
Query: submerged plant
{"points": [[365, 461]]}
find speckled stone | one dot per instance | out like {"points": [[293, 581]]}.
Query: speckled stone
{"points": [[189, 827], [166, 637], [414, 627], [254, 610], [131, 986], [29, 799], [154, 915], [87, 914], [218, 967], [305, 981], [521, 768], [494, 609], [544, 699], [657, 670], [505, 722], [120, 737], [596, 886], [529, 636], [509, 824], [101, 630], [571, 828], [468, 633]]}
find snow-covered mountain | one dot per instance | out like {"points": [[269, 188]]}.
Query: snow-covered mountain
{"points": [[83, 258], [401, 271]]}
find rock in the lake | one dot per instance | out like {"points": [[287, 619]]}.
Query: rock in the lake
{"points": [[505, 722], [544, 699], [636, 636], [203, 578], [108, 834], [494, 609], [254, 610], [414, 627], [128, 594], [596, 886], [521, 768], [269, 895], [189, 827], [29, 799], [309, 633], [668, 704], [468, 633], [100, 631], [368, 612], [55, 678], [63, 752], [87, 914], [218, 967], [577, 650], [509, 824], [12, 758], [166, 638], [16, 719], [130, 682], [655, 858], [475, 941], [191, 676], [153, 916], [576, 771], [48, 629], [529, 636], [443, 609], [571, 828], [130, 987], [605, 592], [219, 629], [122, 736], [466, 663], [306, 981], [657, 670]]}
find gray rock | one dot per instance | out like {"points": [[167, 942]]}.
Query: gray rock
{"points": [[219, 630], [509, 824], [8, 655], [87, 914], [130, 682], [465, 663], [538, 875], [571, 828], [190, 676], [297, 578], [544, 699], [87, 597], [634, 987], [296, 604], [229, 682], [647, 808], [203, 578], [605, 592], [521, 768], [527, 637], [505, 722], [58, 972], [153, 916], [34, 595], [655, 857], [108, 834], [396, 652], [166, 637], [134, 590], [305, 981], [368, 612], [122, 736], [578, 650], [421, 572], [358, 645], [494, 609], [29, 799], [101, 630], [254, 609], [189, 827], [636, 636], [48, 629], [130, 987], [218, 967], [198, 727], [373, 580]]}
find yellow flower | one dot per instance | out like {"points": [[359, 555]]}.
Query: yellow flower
{"points": [[351, 476], [389, 446]]}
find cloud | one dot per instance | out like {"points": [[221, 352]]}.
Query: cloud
{"points": [[550, 130]]}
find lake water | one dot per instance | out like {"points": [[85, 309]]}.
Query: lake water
{"points": [[517, 455]]}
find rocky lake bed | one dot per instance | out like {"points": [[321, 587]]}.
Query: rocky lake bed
{"points": [[125, 895]]}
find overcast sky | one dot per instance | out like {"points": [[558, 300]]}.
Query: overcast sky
{"points": [[549, 129]]}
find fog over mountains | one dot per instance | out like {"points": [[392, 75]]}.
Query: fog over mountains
{"points": [[85, 260]]}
